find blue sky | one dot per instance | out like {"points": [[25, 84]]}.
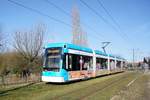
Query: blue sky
{"points": [[132, 15]]}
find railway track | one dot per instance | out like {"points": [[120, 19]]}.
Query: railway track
{"points": [[84, 90], [91, 89]]}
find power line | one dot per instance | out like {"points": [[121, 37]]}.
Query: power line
{"points": [[99, 15], [66, 13], [102, 18], [42, 14], [60, 9], [38, 12], [100, 3], [111, 17]]}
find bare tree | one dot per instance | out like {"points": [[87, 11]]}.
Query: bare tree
{"points": [[79, 37], [29, 44], [3, 67], [2, 40]]}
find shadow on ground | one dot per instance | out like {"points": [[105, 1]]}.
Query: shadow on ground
{"points": [[5, 92]]}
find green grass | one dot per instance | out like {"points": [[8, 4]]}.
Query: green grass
{"points": [[139, 90], [96, 89]]}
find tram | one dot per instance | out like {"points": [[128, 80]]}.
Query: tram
{"points": [[65, 62]]}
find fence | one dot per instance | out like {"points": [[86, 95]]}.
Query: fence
{"points": [[17, 79]]}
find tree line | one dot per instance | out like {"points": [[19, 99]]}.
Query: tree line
{"points": [[26, 56]]}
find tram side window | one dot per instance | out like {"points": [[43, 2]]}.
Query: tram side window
{"points": [[101, 63], [64, 61], [72, 63], [118, 64], [104, 63], [87, 63], [124, 64], [112, 64], [77, 62], [91, 63], [68, 62], [98, 64]]}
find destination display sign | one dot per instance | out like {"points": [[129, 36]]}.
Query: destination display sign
{"points": [[54, 51]]}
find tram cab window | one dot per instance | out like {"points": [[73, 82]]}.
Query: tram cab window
{"points": [[52, 59]]}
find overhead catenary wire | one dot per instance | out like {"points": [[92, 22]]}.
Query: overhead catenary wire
{"points": [[102, 18], [112, 18], [38, 12], [69, 15], [99, 15], [59, 8], [43, 14], [107, 12]]}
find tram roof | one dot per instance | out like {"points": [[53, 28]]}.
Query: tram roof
{"points": [[121, 58], [104, 54], [69, 46], [110, 55], [100, 53], [81, 48]]}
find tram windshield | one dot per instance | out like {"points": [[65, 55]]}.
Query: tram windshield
{"points": [[52, 59]]}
